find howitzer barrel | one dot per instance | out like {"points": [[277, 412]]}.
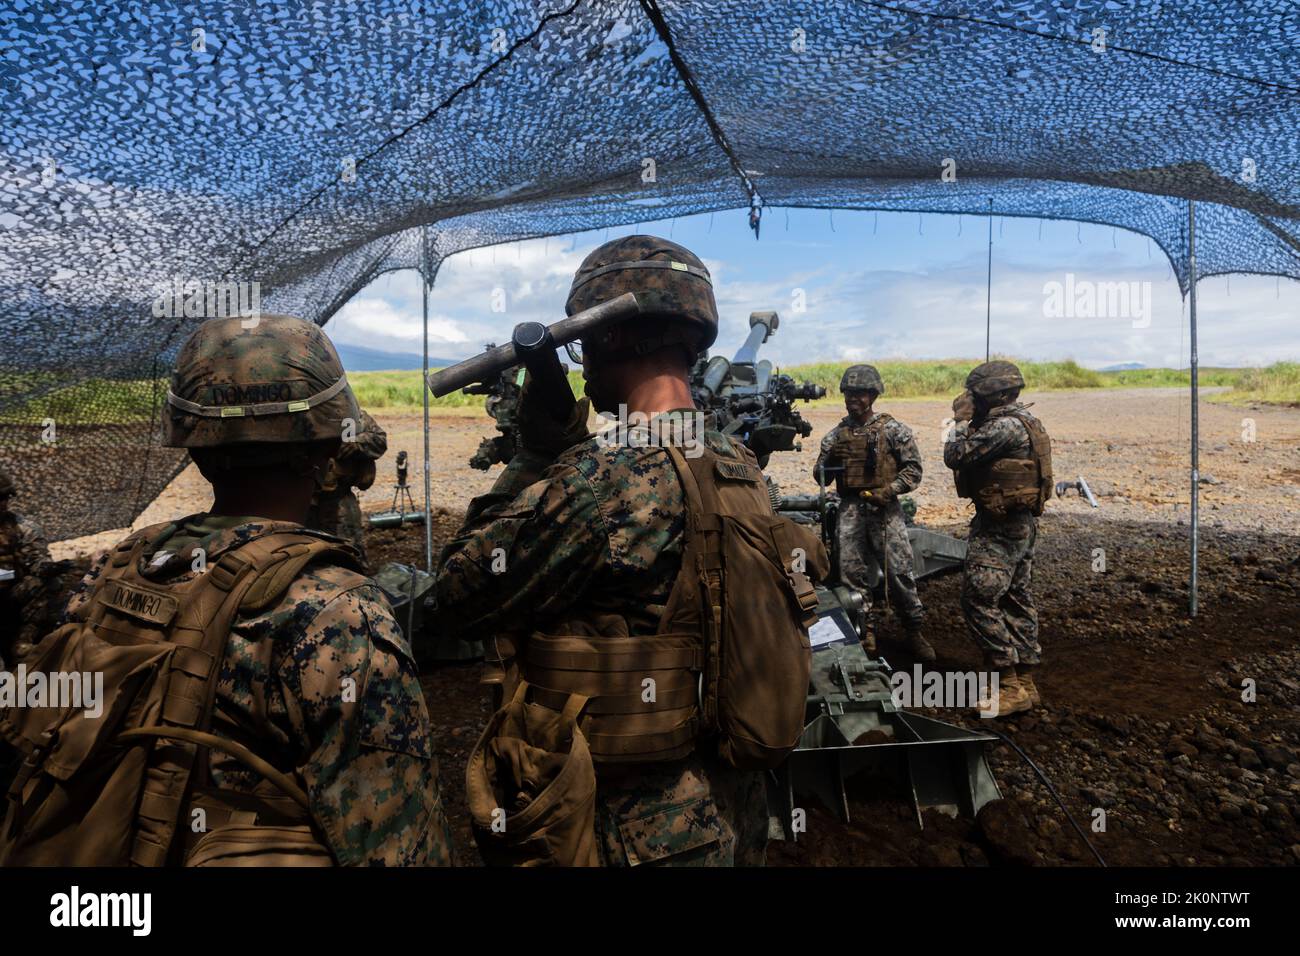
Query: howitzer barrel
{"points": [[715, 373], [761, 325], [494, 361], [801, 503]]}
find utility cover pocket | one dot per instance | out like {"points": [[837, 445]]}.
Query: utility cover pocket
{"points": [[660, 836]]}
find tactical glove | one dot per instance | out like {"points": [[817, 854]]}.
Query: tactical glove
{"points": [[880, 497], [963, 407], [543, 435]]}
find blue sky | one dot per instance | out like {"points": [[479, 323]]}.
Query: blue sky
{"points": [[874, 286]]}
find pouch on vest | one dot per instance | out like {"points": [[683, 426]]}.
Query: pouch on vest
{"points": [[1010, 485], [531, 786], [114, 788], [869, 464]]}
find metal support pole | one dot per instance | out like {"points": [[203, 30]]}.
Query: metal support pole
{"points": [[426, 281], [1196, 397], [988, 304]]}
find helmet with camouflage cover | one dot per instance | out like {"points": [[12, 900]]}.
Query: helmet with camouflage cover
{"points": [[862, 378], [670, 282], [993, 377], [7, 488], [278, 382]]}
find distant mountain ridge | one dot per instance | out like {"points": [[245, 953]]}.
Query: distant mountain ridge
{"points": [[358, 358]]}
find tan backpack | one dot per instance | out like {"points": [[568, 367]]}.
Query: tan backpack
{"points": [[125, 787], [752, 573]]}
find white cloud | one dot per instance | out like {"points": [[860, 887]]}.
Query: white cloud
{"points": [[854, 311], [368, 319]]}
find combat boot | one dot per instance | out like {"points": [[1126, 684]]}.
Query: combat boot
{"points": [[1025, 674], [917, 645], [1012, 697]]}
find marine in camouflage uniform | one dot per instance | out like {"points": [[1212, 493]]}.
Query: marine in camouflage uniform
{"points": [[367, 764], [995, 599], [24, 599], [594, 532], [601, 529], [335, 508], [873, 527], [321, 683]]}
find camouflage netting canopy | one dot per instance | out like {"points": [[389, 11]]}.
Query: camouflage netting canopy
{"points": [[305, 146]]}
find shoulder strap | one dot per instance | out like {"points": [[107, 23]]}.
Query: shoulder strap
{"points": [[696, 476], [696, 595], [278, 558]]}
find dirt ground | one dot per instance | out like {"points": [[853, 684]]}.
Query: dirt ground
{"points": [[1143, 714]]}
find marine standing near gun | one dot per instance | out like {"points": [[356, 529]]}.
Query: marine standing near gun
{"points": [[24, 564], [1002, 457], [875, 460], [583, 567]]}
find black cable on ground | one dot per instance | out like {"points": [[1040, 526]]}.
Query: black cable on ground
{"points": [[1050, 789]]}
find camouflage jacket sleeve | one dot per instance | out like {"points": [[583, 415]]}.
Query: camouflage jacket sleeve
{"points": [[33, 558], [521, 554], [522, 470], [824, 456], [371, 441], [903, 444], [369, 770], [971, 444]]}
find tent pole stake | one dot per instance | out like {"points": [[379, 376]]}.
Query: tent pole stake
{"points": [[988, 301], [1196, 397], [425, 282]]}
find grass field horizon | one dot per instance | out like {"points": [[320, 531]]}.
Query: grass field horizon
{"points": [[918, 379], [103, 401]]}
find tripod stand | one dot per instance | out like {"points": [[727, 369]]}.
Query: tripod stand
{"points": [[402, 493]]}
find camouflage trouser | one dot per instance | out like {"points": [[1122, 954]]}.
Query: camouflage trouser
{"points": [[881, 534], [339, 513], [692, 812], [995, 593]]}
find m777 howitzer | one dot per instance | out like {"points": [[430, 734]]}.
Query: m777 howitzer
{"points": [[748, 400]]}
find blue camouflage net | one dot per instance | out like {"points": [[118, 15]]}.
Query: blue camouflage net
{"points": [[303, 146]]}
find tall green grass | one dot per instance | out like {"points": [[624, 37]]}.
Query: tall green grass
{"points": [[946, 377], [401, 392], [120, 401], [1171, 377], [95, 401], [1278, 384]]}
